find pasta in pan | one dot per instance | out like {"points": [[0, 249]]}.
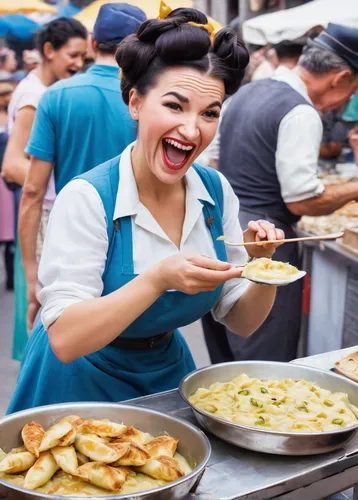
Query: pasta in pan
{"points": [[278, 405]]}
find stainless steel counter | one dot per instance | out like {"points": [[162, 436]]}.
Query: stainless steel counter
{"points": [[235, 473]]}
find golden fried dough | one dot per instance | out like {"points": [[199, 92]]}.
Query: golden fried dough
{"points": [[32, 435]]}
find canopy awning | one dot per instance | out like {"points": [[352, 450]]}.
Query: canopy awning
{"points": [[292, 23], [88, 15], [24, 6], [18, 26]]}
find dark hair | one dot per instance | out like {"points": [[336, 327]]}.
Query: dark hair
{"points": [[59, 31], [161, 44], [107, 48], [289, 50]]}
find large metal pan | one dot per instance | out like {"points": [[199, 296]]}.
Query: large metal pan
{"points": [[263, 440], [193, 444]]}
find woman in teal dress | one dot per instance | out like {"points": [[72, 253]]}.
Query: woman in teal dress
{"points": [[131, 252]]}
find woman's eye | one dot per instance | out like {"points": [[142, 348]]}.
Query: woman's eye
{"points": [[173, 105], [212, 114]]}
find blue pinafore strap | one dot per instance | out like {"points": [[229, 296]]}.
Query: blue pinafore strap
{"points": [[213, 213], [105, 178]]}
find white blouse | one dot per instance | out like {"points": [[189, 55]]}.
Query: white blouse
{"points": [[76, 242]]}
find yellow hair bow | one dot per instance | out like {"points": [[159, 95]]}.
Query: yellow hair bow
{"points": [[165, 10]]}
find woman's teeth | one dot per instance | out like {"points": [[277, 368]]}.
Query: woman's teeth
{"points": [[178, 145], [175, 153]]}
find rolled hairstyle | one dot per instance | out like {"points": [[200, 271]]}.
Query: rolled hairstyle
{"points": [[160, 44]]}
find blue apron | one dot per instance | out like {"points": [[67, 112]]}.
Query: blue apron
{"points": [[116, 374]]}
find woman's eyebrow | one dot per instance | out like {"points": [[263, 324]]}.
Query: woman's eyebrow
{"points": [[180, 97], [185, 100], [215, 103]]}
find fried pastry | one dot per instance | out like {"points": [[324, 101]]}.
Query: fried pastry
{"points": [[66, 458], [17, 461], [348, 366], [117, 459], [138, 437], [41, 472], [62, 433], [94, 448], [162, 468], [72, 418], [103, 475], [32, 435], [162, 446], [131, 454], [81, 458], [103, 428]]}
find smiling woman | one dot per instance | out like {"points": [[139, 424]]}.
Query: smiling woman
{"points": [[131, 252], [177, 68]]}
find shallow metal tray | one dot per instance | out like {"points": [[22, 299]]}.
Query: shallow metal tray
{"points": [[263, 440], [193, 444]]}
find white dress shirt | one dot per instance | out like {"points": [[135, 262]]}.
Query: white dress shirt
{"points": [[299, 139], [298, 142], [76, 242]]}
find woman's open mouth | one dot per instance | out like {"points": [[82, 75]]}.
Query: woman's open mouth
{"points": [[176, 153]]}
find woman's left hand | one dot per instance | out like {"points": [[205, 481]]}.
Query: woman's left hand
{"points": [[262, 230]]}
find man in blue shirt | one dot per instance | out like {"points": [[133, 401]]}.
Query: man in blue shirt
{"points": [[80, 123]]}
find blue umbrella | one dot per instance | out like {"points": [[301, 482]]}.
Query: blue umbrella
{"points": [[17, 26], [67, 9]]}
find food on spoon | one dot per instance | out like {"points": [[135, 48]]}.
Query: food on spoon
{"points": [[103, 475], [94, 448], [19, 461], [41, 472], [68, 471], [280, 405], [268, 270], [32, 435], [66, 458], [162, 468]]}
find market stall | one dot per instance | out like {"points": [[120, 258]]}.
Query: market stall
{"points": [[292, 23], [330, 297]]}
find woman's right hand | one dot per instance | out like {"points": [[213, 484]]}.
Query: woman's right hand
{"points": [[193, 273]]}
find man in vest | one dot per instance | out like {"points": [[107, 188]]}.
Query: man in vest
{"points": [[270, 140]]}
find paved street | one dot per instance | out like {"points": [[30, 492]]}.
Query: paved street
{"points": [[9, 368]]}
